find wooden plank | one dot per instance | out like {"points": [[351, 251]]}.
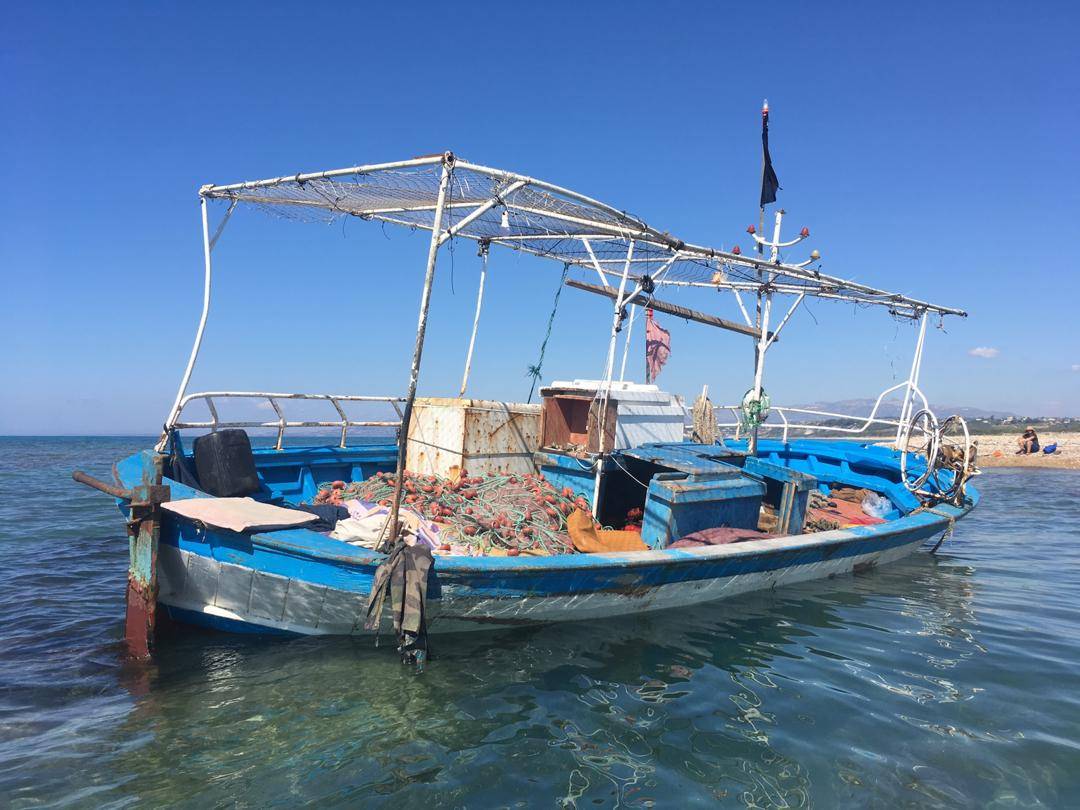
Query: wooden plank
{"points": [[596, 442], [447, 435], [669, 309], [144, 531]]}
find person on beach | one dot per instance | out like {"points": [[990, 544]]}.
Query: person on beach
{"points": [[1029, 443]]}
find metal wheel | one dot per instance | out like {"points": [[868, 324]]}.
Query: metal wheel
{"points": [[920, 439], [755, 410], [956, 457]]}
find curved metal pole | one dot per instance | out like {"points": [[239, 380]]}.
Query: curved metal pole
{"points": [[484, 247], [418, 350], [207, 278], [906, 407]]}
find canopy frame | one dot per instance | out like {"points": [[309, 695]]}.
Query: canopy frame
{"points": [[556, 223]]}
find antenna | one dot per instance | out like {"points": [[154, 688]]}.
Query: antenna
{"points": [[775, 244]]}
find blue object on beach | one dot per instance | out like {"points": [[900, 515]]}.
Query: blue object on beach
{"points": [[1050, 448]]}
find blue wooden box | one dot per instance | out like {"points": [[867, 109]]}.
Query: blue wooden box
{"points": [[679, 504]]}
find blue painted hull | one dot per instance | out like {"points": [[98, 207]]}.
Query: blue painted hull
{"points": [[301, 582]]}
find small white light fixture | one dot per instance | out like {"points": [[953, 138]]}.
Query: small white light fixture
{"points": [[504, 222]]}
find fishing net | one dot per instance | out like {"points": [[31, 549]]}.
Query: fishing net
{"points": [[532, 219], [496, 513], [754, 410]]}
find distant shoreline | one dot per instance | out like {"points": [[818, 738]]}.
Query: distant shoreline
{"points": [[1004, 445], [1067, 456]]}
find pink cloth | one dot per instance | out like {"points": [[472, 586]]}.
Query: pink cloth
{"points": [[846, 514], [657, 346], [719, 537]]}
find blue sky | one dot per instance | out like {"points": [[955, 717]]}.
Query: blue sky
{"points": [[931, 148]]}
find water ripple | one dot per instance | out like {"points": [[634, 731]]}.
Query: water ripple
{"points": [[938, 681]]}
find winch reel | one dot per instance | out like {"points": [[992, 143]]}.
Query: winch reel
{"points": [[754, 409], [950, 456]]}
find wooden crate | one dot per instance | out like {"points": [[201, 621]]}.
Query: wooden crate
{"points": [[570, 420]]}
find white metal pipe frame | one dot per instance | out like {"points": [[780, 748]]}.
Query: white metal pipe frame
{"points": [[910, 390], [455, 198], [605, 221]]}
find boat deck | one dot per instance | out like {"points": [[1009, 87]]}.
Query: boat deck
{"points": [[695, 478]]}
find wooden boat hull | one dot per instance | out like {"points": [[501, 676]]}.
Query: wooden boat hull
{"points": [[200, 590], [300, 582]]}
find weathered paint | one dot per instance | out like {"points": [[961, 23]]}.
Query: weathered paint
{"points": [[794, 487], [562, 470], [447, 435], [679, 503], [201, 590], [144, 528]]}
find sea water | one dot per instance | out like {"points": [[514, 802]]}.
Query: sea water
{"points": [[947, 680]]}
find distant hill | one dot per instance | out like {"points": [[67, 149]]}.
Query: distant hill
{"points": [[891, 410]]}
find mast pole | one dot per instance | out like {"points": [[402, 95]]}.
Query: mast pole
{"points": [[763, 341], [626, 344], [418, 349], [752, 440], [762, 325], [648, 320]]}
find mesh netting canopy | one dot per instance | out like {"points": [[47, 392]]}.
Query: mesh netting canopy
{"points": [[503, 208]]}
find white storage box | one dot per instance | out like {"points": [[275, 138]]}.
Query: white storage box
{"points": [[477, 435]]}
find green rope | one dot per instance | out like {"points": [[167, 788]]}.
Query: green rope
{"points": [[536, 371], [754, 411]]}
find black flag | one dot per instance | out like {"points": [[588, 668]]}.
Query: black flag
{"points": [[769, 183]]}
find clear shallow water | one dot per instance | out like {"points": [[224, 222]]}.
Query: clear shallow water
{"points": [[948, 681]]}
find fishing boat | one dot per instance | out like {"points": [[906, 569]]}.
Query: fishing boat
{"points": [[223, 534]]}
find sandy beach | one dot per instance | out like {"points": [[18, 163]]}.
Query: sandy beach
{"points": [[1000, 451]]}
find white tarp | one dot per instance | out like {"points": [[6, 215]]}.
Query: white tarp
{"points": [[238, 514]]}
